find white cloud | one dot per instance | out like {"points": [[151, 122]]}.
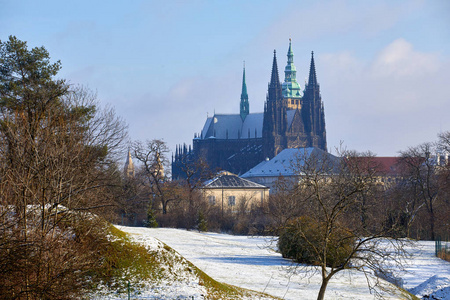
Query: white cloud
{"points": [[396, 99], [399, 59]]}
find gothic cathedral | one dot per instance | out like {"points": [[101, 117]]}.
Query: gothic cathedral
{"points": [[292, 118]]}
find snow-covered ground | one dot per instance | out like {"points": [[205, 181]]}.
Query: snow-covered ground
{"points": [[251, 262]]}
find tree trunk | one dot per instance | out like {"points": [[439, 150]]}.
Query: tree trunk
{"points": [[433, 236], [323, 288], [164, 207]]}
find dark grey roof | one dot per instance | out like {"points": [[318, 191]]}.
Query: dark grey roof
{"points": [[232, 181], [286, 162], [252, 123], [219, 126], [231, 126]]}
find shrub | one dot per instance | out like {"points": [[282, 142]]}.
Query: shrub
{"points": [[151, 219], [202, 224], [303, 240]]}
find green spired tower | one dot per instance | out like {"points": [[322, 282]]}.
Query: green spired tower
{"points": [[245, 110], [291, 89]]}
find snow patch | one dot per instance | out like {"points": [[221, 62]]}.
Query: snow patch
{"points": [[436, 287]]}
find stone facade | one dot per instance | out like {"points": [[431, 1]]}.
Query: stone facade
{"points": [[232, 193]]}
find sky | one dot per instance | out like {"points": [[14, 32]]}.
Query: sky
{"points": [[383, 66]]}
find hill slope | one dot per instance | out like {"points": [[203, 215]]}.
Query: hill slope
{"points": [[163, 274]]}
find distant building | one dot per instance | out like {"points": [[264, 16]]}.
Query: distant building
{"points": [[388, 169], [286, 165], [229, 192], [128, 169], [292, 118]]}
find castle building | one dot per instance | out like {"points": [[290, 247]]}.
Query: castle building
{"points": [[292, 118]]}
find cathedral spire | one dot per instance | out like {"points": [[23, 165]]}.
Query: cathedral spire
{"points": [[312, 83], [274, 92], [274, 80], [244, 111], [291, 88]]}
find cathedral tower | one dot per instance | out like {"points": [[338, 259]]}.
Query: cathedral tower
{"points": [[244, 107], [314, 110], [275, 122], [291, 89]]}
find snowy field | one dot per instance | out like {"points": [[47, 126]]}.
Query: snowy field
{"points": [[251, 262]]}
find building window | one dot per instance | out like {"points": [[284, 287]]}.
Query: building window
{"points": [[212, 200], [231, 200], [292, 101]]}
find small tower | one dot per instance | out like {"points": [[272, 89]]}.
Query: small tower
{"points": [[245, 109], [291, 88], [128, 170]]}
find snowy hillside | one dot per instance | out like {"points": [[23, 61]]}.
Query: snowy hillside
{"points": [[251, 263], [173, 277]]}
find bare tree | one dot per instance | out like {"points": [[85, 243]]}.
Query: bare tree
{"points": [[283, 205], [153, 156], [420, 173], [444, 141], [329, 232], [195, 171]]}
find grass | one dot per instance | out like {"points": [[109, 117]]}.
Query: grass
{"points": [[124, 261], [407, 295]]}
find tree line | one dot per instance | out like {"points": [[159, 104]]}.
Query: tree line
{"points": [[413, 196], [347, 212]]}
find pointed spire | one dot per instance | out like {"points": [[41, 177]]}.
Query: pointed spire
{"points": [[290, 54], [274, 79], [245, 107], [244, 85], [129, 166], [312, 83]]}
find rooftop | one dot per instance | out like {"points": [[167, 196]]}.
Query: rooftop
{"points": [[228, 180]]}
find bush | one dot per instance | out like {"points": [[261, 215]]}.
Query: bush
{"points": [[202, 224], [303, 240], [151, 219]]}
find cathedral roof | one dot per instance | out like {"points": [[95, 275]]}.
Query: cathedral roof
{"points": [[231, 126]]}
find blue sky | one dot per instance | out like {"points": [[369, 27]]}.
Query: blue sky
{"points": [[383, 66]]}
